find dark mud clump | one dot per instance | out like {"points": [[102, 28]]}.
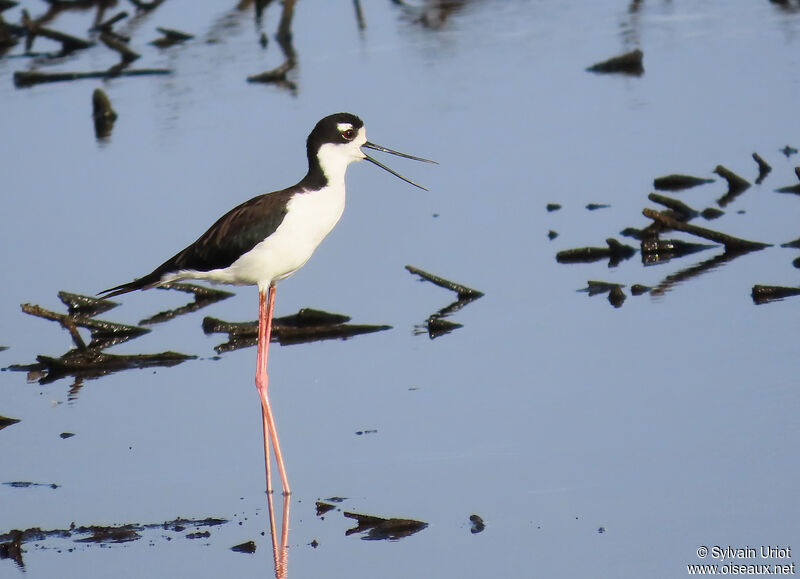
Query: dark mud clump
{"points": [[629, 63], [378, 528]]}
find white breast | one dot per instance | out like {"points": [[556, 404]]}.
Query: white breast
{"points": [[309, 218]]}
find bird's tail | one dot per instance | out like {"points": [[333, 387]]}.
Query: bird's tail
{"points": [[142, 283]]}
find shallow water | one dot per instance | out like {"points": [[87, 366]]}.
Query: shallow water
{"points": [[669, 423]]}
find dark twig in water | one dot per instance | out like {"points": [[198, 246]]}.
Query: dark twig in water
{"points": [[87, 306], [284, 36], [362, 24], [763, 294], [677, 182], [682, 210], [115, 43], [171, 36], [68, 42], [463, 291], [730, 242], [108, 25], [615, 252], [26, 78], [657, 250], [736, 185], [763, 168]]}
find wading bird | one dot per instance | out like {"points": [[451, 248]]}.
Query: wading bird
{"points": [[269, 237]]}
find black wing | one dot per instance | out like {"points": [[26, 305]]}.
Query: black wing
{"points": [[233, 235]]}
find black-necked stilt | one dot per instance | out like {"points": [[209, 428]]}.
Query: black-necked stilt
{"points": [[269, 237]]}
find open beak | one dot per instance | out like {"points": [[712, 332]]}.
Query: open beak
{"points": [[369, 145]]}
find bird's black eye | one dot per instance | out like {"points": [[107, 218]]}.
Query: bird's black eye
{"points": [[349, 134]]}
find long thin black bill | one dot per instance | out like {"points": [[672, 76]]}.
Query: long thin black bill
{"points": [[369, 145], [395, 173]]}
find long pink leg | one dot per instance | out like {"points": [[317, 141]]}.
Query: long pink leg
{"points": [[262, 383]]}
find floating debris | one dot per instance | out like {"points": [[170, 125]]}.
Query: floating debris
{"points": [[102, 114], [28, 484], [246, 547], [477, 524], [793, 244], [362, 432], [678, 182], [788, 151], [308, 325], [66, 435], [203, 296], [656, 250], [108, 25], [87, 306], [596, 206], [553, 207], [730, 242], [615, 252], [24, 79], [378, 528], [763, 294], [791, 188], [763, 168], [323, 508], [278, 75], [710, 213], [736, 184], [436, 326], [616, 297], [594, 287], [679, 208], [628, 63], [89, 360], [170, 37], [118, 44], [11, 541], [638, 289], [68, 42], [551, 235], [6, 421], [462, 291]]}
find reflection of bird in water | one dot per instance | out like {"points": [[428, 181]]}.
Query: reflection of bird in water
{"points": [[269, 237]]}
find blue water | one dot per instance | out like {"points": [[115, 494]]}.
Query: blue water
{"points": [[669, 422]]}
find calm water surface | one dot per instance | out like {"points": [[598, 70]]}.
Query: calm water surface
{"points": [[593, 441]]}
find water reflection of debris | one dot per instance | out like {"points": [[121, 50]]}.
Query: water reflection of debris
{"points": [[90, 360], [278, 75], [203, 296], [307, 325], [436, 325], [6, 421], [676, 217], [11, 542]]}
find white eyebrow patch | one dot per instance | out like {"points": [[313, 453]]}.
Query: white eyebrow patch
{"points": [[343, 126]]}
